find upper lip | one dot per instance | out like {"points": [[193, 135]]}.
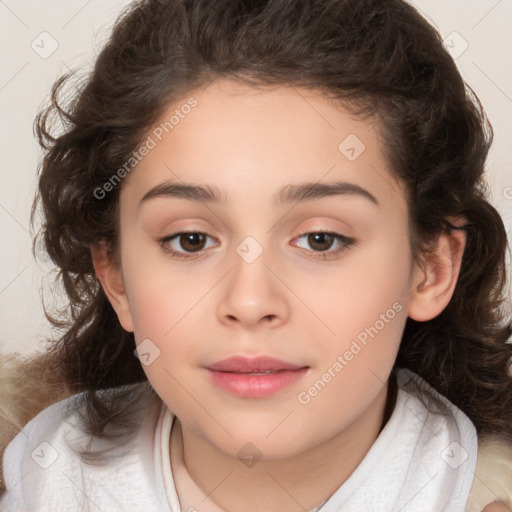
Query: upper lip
{"points": [[252, 364]]}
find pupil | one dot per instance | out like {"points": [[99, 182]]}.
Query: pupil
{"points": [[322, 239], [194, 240]]}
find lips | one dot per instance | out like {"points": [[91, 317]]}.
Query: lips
{"points": [[256, 377], [261, 364]]}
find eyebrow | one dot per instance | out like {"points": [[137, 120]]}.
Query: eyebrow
{"points": [[287, 194]]}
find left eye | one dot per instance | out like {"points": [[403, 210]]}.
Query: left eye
{"points": [[322, 241]]}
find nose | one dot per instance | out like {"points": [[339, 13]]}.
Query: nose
{"points": [[253, 295]]}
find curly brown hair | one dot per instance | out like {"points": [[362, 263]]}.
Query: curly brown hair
{"points": [[379, 57]]}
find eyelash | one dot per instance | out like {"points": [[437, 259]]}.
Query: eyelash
{"points": [[321, 255]]}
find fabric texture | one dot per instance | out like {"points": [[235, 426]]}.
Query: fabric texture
{"points": [[493, 480], [422, 461]]}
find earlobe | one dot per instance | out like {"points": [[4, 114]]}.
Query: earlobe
{"points": [[439, 274], [110, 276]]}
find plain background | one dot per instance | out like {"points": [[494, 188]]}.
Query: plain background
{"points": [[40, 42]]}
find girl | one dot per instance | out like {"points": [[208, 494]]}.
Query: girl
{"points": [[285, 283]]}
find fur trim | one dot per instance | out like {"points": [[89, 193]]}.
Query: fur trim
{"points": [[493, 476], [28, 384]]}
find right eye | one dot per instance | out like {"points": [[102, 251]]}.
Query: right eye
{"points": [[190, 241]]}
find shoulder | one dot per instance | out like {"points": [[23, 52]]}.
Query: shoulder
{"points": [[493, 476], [445, 441], [441, 413], [44, 470], [28, 384], [31, 459]]}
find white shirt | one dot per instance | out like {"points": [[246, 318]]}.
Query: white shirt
{"points": [[421, 462]]}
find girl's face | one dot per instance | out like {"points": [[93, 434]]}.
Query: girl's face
{"points": [[260, 276]]}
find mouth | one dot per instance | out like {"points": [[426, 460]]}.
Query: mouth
{"points": [[260, 364], [254, 377]]}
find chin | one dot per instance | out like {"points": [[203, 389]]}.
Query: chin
{"points": [[260, 441]]}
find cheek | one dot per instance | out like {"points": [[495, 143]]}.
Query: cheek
{"points": [[369, 286], [354, 363], [166, 310], [159, 296], [363, 306]]}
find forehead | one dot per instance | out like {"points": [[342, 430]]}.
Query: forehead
{"points": [[278, 116], [249, 141]]}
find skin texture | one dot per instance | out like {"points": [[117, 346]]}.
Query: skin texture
{"points": [[287, 303], [496, 507]]}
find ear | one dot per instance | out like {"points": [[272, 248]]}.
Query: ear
{"points": [[439, 274], [110, 276]]}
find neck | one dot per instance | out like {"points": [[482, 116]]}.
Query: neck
{"points": [[295, 484]]}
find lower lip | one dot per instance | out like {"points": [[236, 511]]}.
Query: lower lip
{"points": [[255, 386]]}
